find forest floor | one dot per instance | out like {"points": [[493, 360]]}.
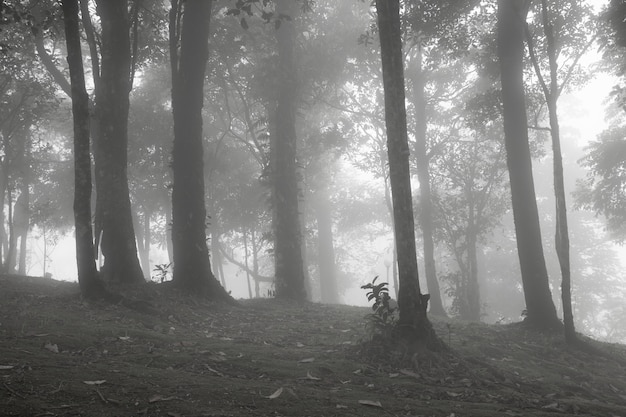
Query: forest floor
{"points": [[62, 356]]}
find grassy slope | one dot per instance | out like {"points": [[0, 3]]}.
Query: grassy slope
{"points": [[195, 358]]}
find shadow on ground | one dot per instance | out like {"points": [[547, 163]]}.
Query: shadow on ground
{"points": [[62, 356]]}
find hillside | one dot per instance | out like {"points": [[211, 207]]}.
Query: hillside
{"points": [[61, 356]]}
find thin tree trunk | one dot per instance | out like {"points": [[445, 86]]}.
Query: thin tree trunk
{"points": [[326, 250], [562, 233], [510, 32], [413, 322], [423, 176], [255, 265], [90, 284], [246, 256]]}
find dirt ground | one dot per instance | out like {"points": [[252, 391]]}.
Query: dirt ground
{"points": [[62, 356]]}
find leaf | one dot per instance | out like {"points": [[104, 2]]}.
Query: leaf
{"points": [[276, 394], [298, 344], [408, 372], [158, 397], [124, 338], [306, 360], [98, 382], [371, 403], [311, 377], [51, 347], [5, 367]]}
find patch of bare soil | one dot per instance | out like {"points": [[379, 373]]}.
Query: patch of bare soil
{"points": [[169, 355]]}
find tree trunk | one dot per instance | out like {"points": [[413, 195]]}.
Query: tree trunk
{"points": [[326, 250], [423, 176], [562, 232], [246, 256], [510, 33], [413, 322], [192, 266], [113, 209], [289, 265], [472, 286], [88, 280]]}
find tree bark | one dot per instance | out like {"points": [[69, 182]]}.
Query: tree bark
{"points": [[88, 280], [414, 326], [540, 310], [189, 25], [289, 265], [326, 250], [423, 176], [113, 209], [551, 94]]}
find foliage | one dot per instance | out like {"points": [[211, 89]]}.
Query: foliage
{"points": [[383, 320], [603, 191], [162, 273]]}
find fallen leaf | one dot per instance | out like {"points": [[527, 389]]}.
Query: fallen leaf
{"points": [[311, 377], [124, 338], [298, 344], [453, 394], [371, 403], [276, 393], [4, 367], [394, 375], [409, 373], [157, 397], [341, 406], [213, 370], [306, 360], [51, 347], [98, 382]]}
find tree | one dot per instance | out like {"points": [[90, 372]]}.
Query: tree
{"points": [[413, 322], [90, 284], [289, 263], [553, 30], [540, 310], [470, 202], [112, 89], [189, 29]]}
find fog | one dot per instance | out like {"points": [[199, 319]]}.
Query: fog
{"points": [[342, 167]]}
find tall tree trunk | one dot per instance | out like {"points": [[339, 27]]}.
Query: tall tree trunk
{"points": [[551, 95], [217, 257], [289, 265], [413, 322], [118, 245], [423, 176], [189, 28], [255, 265], [246, 257], [510, 33], [326, 250], [22, 208], [143, 242], [88, 280], [473, 288]]}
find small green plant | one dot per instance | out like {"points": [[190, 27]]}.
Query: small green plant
{"points": [[161, 272], [382, 321]]}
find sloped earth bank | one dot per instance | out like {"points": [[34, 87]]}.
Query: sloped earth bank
{"points": [[61, 356]]}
